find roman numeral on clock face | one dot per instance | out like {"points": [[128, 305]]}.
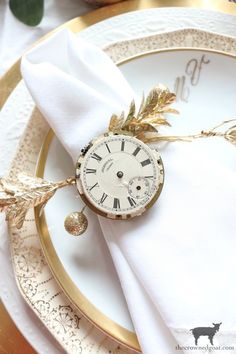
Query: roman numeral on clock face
{"points": [[116, 203], [136, 151], [95, 185], [108, 148], [132, 202], [96, 157], [122, 145], [90, 170], [145, 162], [103, 198]]}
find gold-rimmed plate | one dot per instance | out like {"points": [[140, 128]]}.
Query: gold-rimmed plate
{"points": [[192, 73], [24, 287]]}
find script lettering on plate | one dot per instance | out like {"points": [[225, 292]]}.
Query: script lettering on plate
{"points": [[190, 78], [181, 90]]}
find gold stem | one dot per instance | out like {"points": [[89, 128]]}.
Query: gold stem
{"points": [[186, 138], [84, 207], [223, 123], [69, 181]]}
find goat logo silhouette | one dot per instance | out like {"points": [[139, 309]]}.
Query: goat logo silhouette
{"points": [[206, 331]]}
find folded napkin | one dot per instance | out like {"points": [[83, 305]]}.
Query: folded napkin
{"points": [[176, 262]]}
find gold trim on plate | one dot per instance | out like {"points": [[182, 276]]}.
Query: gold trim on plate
{"points": [[107, 325], [179, 49]]}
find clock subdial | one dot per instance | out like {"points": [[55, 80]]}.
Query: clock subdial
{"points": [[139, 187]]}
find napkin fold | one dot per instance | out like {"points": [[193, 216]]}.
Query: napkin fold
{"points": [[176, 262], [73, 83]]}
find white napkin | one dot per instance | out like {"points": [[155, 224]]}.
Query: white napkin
{"points": [[176, 262]]}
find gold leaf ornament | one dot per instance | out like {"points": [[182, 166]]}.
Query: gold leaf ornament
{"points": [[130, 115], [149, 117], [116, 122], [157, 102], [230, 135], [18, 195]]}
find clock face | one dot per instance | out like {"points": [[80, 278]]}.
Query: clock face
{"points": [[119, 176]]}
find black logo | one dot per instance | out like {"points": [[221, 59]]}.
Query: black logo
{"points": [[206, 331]]}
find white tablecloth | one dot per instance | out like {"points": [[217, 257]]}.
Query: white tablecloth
{"points": [[15, 37]]}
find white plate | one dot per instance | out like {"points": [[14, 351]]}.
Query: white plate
{"points": [[209, 77], [218, 42], [169, 65], [19, 108]]}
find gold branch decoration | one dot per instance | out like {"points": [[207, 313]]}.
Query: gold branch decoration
{"points": [[145, 123], [20, 194], [149, 117], [221, 130]]}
